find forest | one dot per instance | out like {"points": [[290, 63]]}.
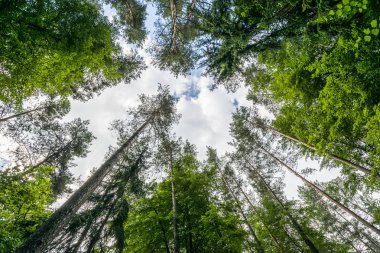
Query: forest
{"points": [[302, 169]]}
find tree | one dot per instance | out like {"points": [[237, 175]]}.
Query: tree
{"points": [[256, 122], [64, 47], [176, 30], [41, 141], [205, 224], [213, 157], [24, 199], [131, 15], [161, 114]]}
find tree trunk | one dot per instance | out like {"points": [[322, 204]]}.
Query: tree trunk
{"points": [[175, 215], [296, 225], [45, 234], [334, 157], [252, 231], [82, 237], [323, 193], [96, 237], [355, 232], [22, 113], [255, 210], [173, 9]]}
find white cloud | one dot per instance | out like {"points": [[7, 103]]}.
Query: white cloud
{"points": [[205, 120]]}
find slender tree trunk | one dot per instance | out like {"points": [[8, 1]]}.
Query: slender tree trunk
{"points": [[354, 233], [274, 239], [252, 231], [175, 215], [332, 156], [295, 223], [82, 237], [22, 113], [173, 8], [46, 233], [323, 193], [96, 237]]}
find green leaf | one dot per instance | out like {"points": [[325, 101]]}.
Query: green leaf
{"points": [[339, 6], [332, 13], [339, 12], [367, 31], [367, 38], [374, 23], [347, 8], [375, 32], [346, 2], [365, 2]]}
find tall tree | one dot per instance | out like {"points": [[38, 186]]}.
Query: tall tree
{"points": [[23, 204], [60, 47], [155, 110], [173, 48], [206, 224], [42, 142], [213, 157]]}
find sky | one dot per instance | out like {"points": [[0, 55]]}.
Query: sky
{"points": [[205, 120], [206, 114]]}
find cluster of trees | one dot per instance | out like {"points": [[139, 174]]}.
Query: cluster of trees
{"points": [[312, 66]]}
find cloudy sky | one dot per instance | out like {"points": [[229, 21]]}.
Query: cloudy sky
{"points": [[205, 120]]}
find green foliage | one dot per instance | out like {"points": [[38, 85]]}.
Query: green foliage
{"points": [[204, 225], [57, 47], [24, 199]]}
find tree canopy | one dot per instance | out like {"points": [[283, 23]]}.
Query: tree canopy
{"points": [[311, 71]]}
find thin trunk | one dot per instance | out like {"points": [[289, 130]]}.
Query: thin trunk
{"points": [[357, 206], [323, 193], [96, 237], [46, 233], [22, 113], [252, 231], [255, 210], [173, 9], [82, 237], [175, 215], [296, 225], [353, 233], [334, 157]]}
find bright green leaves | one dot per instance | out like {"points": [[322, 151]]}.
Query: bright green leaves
{"points": [[24, 198], [374, 23], [209, 225], [55, 48]]}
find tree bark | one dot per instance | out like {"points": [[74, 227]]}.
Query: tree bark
{"points": [[323, 193], [45, 234]]}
